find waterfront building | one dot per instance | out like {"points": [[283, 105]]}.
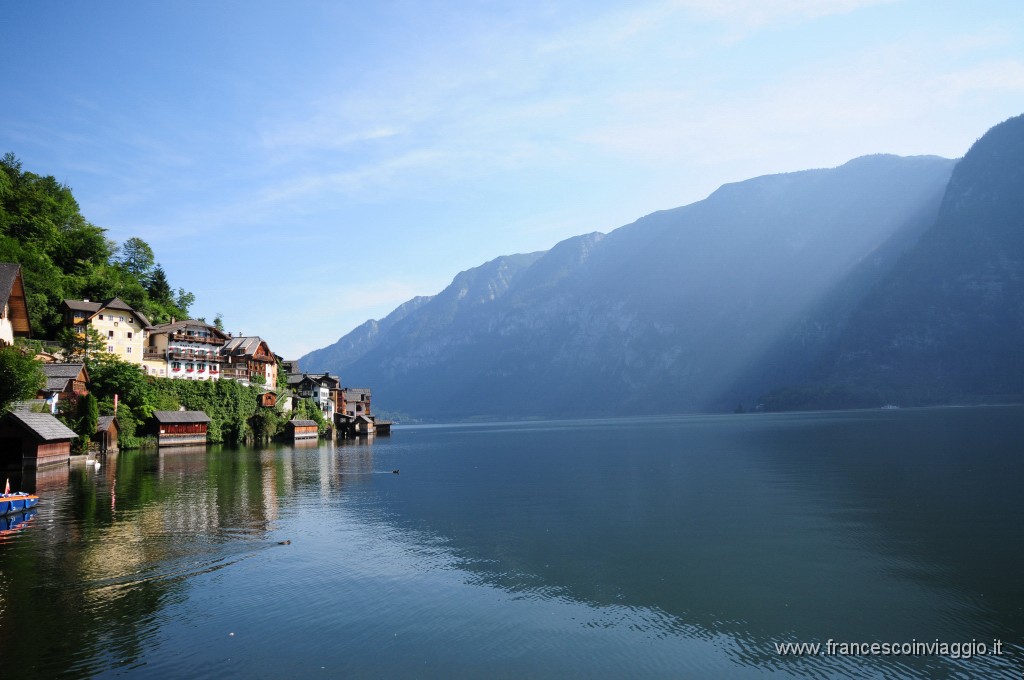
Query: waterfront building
{"points": [[301, 429], [122, 328], [323, 389], [185, 350], [248, 358], [180, 428], [14, 321], [107, 432], [357, 402], [32, 440]]}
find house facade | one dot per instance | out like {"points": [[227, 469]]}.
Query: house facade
{"points": [[357, 402], [124, 330], [248, 358], [185, 350], [322, 389], [64, 382], [14, 321]]}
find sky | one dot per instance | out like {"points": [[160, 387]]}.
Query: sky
{"points": [[305, 166]]}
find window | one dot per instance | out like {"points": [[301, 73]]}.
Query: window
{"points": [[176, 365], [110, 334], [110, 348], [131, 320], [101, 317], [120, 318], [201, 367], [129, 335], [189, 367], [128, 349]]}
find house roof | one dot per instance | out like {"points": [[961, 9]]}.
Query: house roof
{"points": [[93, 308], [42, 425], [58, 375], [12, 286], [181, 417], [188, 323], [104, 423], [302, 423], [358, 392], [245, 345]]}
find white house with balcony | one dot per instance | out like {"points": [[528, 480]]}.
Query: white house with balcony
{"points": [[185, 350]]}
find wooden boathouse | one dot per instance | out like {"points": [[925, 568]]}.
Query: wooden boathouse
{"points": [[107, 432], [33, 440], [302, 429], [180, 428]]}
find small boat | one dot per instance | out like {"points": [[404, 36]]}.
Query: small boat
{"points": [[17, 502], [15, 522]]}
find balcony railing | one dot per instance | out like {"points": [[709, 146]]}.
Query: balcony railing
{"points": [[181, 335], [175, 354]]}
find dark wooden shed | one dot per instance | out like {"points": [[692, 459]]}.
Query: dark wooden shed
{"points": [[178, 428], [107, 431], [33, 440]]}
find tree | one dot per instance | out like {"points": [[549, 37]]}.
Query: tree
{"points": [[159, 289], [137, 257], [218, 321], [184, 300], [87, 346], [307, 409], [88, 419], [20, 377]]}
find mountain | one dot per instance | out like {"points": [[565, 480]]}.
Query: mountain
{"points": [[946, 325], [688, 309]]}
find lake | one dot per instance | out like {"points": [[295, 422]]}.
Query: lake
{"points": [[691, 546]]}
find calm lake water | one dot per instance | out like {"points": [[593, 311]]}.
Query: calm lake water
{"points": [[659, 547]]}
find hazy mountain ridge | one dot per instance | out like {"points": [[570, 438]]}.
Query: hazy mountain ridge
{"points": [[674, 312], [947, 324]]}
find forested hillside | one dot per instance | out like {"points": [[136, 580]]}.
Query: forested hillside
{"points": [[63, 255]]}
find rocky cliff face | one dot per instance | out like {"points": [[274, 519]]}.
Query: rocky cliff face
{"points": [[686, 309]]}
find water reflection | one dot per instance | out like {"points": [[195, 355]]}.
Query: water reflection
{"points": [[685, 547]]}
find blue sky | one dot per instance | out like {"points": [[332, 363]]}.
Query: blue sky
{"points": [[305, 166]]}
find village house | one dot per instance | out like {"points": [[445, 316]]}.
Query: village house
{"points": [[33, 440], [357, 402], [64, 382], [323, 389], [14, 321], [122, 328], [248, 358], [187, 350], [180, 428]]}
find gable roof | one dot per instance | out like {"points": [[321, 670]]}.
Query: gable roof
{"points": [[187, 323], [104, 423], [245, 345], [181, 417], [12, 291], [303, 423], [93, 308], [43, 425], [58, 375]]}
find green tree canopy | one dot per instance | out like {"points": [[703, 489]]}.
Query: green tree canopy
{"points": [[20, 377]]}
